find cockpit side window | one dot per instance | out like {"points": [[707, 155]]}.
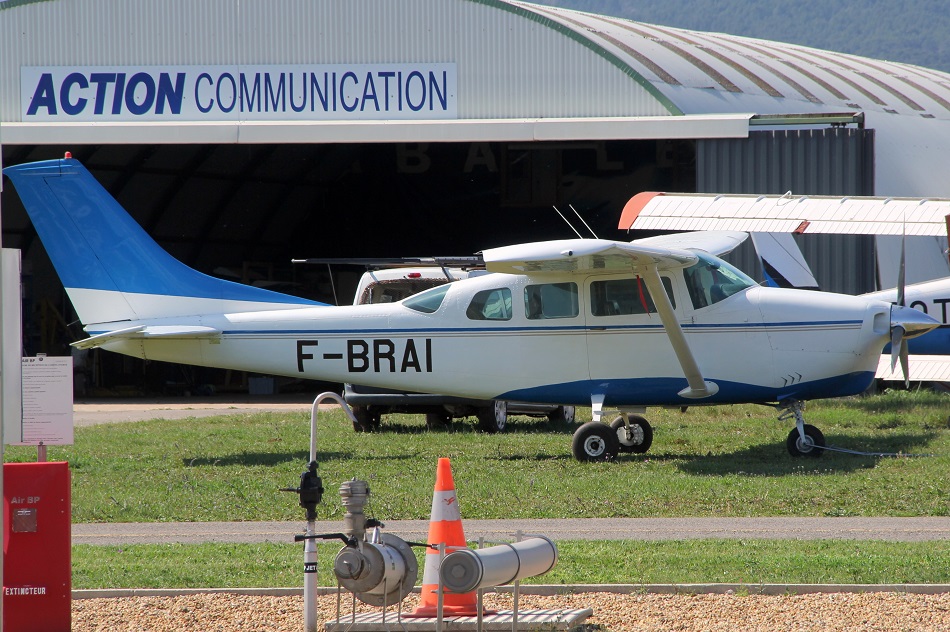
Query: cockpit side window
{"points": [[490, 305], [711, 280], [624, 297], [551, 300]]}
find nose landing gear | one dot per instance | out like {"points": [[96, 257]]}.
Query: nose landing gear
{"points": [[804, 439]]}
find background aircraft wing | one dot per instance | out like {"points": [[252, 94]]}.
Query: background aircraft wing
{"points": [[584, 256], [922, 368], [787, 214]]}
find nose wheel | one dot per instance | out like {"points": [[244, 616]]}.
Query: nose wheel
{"points": [[804, 439]]}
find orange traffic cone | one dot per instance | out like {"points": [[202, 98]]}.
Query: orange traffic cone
{"points": [[445, 526]]}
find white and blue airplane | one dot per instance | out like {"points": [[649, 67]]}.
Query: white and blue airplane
{"points": [[592, 322]]}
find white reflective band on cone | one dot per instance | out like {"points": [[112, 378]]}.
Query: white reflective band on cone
{"points": [[466, 570], [445, 506]]}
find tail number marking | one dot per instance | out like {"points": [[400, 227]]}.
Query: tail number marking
{"points": [[380, 355]]}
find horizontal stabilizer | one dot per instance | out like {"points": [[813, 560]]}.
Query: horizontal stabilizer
{"points": [[144, 331]]}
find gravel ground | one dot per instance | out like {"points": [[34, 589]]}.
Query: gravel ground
{"points": [[849, 612]]}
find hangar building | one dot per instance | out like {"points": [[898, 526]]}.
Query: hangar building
{"points": [[244, 133]]}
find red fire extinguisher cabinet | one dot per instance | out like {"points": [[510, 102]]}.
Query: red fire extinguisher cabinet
{"points": [[37, 565]]}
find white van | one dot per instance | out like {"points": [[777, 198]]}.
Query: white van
{"points": [[370, 404]]}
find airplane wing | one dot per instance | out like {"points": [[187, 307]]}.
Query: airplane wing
{"points": [[922, 368], [146, 331], [715, 242], [584, 256], [786, 214]]}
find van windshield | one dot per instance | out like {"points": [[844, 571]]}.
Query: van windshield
{"points": [[429, 301]]}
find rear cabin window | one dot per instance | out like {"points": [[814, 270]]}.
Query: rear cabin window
{"points": [[429, 301], [551, 300], [624, 297], [490, 305]]}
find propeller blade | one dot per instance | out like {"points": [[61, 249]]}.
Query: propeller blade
{"points": [[897, 341], [905, 363]]}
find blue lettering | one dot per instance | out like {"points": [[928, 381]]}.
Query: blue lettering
{"points": [[303, 104], [102, 81], [229, 78], [275, 99], [251, 101], [348, 108], [145, 79], [387, 75], [72, 79], [442, 94], [422, 82], [204, 109], [321, 95], [168, 94], [369, 93], [119, 91], [44, 96]]}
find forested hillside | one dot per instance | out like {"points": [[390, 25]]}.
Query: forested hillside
{"points": [[912, 31]]}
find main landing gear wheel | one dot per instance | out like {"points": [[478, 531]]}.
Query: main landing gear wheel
{"points": [[367, 420], [493, 418], [811, 446], [595, 441], [636, 436], [562, 415]]}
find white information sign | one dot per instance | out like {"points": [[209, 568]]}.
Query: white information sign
{"points": [[47, 400]]}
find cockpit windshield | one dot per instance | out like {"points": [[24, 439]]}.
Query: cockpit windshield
{"points": [[428, 301], [711, 280]]}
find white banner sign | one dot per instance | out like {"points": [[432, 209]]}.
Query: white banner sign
{"points": [[47, 400], [239, 93]]}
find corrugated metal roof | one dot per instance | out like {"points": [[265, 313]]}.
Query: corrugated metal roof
{"points": [[716, 63]]}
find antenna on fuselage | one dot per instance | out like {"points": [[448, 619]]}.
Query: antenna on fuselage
{"points": [[582, 220], [566, 221], [571, 226]]}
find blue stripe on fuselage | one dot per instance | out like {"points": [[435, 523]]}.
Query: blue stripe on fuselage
{"points": [[663, 391]]}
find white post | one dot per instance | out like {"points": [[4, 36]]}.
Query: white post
{"points": [[310, 578]]}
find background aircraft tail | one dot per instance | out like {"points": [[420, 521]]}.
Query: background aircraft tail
{"points": [[111, 268]]}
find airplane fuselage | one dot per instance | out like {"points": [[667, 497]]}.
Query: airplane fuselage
{"points": [[760, 344]]}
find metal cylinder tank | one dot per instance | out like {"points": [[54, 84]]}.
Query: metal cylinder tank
{"points": [[466, 569]]}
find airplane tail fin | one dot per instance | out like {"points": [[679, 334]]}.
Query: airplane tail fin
{"points": [[111, 268]]}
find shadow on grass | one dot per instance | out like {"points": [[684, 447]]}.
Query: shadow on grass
{"points": [[274, 459], [519, 425], [771, 459]]}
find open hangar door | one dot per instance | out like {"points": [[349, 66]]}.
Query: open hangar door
{"points": [[244, 211], [831, 161]]}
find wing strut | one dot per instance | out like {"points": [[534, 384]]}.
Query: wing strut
{"points": [[698, 387]]}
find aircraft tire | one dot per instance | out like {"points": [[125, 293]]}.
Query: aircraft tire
{"points": [[797, 449], [562, 415], [494, 418], [595, 441], [367, 420], [640, 437]]}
